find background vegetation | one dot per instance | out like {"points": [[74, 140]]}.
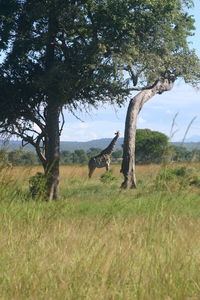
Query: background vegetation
{"points": [[151, 147]]}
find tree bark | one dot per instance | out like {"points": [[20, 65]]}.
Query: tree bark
{"points": [[52, 142], [135, 105], [53, 151]]}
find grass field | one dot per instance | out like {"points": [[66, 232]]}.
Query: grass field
{"points": [[98, 242]]}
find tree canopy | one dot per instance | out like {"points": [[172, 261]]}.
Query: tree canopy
{"points": [[162, 50], [151, 146]]}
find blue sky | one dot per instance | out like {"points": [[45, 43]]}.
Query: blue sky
{"points": [[157, 114]]}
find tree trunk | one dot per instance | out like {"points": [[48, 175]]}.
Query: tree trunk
{"points": [[135, 105], [53, 150], [52, 145]]}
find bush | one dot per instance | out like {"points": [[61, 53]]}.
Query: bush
{"points": [[107, 177], [151, 146], [37, 185], [177, 178]]}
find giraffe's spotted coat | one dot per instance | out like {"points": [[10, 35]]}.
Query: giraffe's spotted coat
{"points": [[103, 159]]}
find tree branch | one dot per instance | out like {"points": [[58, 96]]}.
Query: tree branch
{"points": [[15, 129], [63, 121]]}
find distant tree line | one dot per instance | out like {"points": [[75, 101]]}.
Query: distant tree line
{"points": [[21, 157], [154, 147], [151, 147]]}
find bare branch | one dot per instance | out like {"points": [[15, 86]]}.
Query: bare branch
{"points": [[32, 118], [73, 113], [63, 121]]}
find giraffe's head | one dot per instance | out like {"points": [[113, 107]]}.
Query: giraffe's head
{"points": [[117, 133]]}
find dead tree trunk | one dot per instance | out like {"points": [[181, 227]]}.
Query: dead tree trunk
{"points": [[135, 105]]}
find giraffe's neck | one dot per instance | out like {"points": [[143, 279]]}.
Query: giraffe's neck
{"points": [[110, 147]]}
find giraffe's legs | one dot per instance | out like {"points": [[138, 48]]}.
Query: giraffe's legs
{"points": [[107, 167], [91, 171]]}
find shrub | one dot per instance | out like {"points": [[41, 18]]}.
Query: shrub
{"points": [[177, 178], [107, 177], [151, 146], [37, 185], [195, 181]]}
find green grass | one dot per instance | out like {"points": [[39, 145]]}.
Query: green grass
{"points": [[98, 242]]}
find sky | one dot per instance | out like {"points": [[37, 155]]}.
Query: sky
{"points": [[157, 114]]}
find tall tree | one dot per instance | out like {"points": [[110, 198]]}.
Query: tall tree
{"points": [[58, 53], [161, 57]]}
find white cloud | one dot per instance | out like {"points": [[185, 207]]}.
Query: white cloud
{"points": [[181, 96], [169, 112], [82, 125], [141, 120], [93, 130], [36, 127]]}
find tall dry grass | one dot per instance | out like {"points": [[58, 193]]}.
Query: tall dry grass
{"points": [[142, 258], [98, 242]]}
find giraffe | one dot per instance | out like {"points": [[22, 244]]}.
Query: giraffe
{"points": [[103, 159]]}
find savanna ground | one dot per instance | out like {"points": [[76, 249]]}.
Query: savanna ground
{"points": [[98, 242]]}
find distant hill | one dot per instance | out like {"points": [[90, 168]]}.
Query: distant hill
{"points": [[188, 145], [11, 145], [193, 139], [99, 143], [67, 145]]}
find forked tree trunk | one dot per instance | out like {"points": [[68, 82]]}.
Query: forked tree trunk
{"points": [[135, 105], [53, 151]]}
